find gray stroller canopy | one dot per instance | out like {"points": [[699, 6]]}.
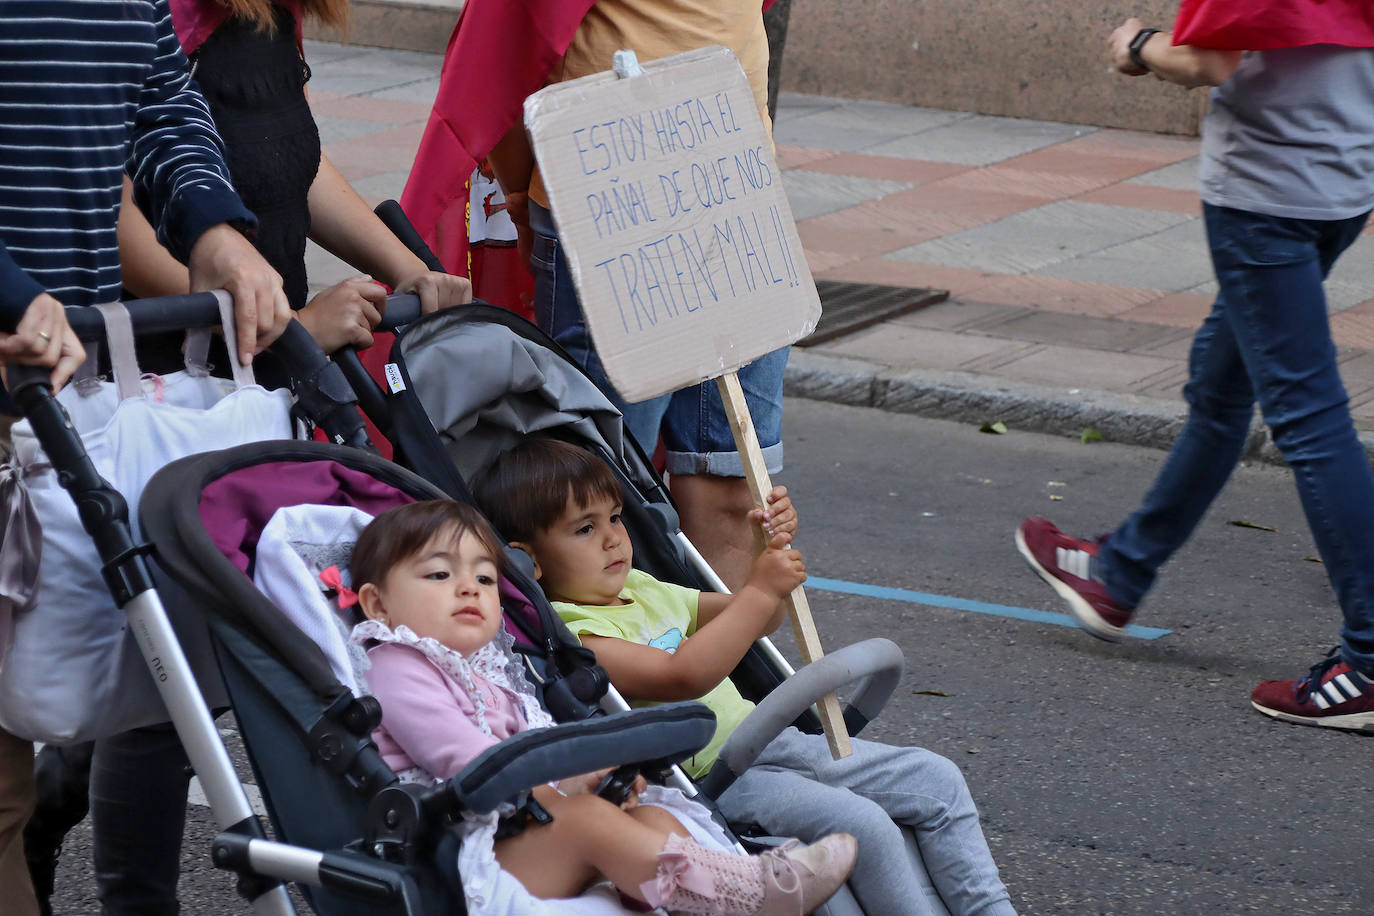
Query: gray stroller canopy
{"points": [[486, 386]]}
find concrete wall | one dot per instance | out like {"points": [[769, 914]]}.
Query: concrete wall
{"points": [[1042, 59]]}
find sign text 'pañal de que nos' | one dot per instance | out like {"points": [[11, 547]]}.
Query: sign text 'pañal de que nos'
{"points": [[672, 215]]}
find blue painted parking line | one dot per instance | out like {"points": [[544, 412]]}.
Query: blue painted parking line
{"points": [[818, 583]]}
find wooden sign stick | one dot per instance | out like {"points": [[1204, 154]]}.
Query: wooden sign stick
{"points": [[798, 610]]}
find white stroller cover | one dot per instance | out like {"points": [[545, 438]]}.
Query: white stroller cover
{"points": [[300, 542]]}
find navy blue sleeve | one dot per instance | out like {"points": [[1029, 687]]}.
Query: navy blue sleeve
{"points": [[177, 159], [17, 290]]}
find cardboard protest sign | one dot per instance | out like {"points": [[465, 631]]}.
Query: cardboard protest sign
{"points": [[672, 216], [671, 213]]}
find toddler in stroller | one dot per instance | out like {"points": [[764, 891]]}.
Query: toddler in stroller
{"points": [[426, 577], [660, 642]]}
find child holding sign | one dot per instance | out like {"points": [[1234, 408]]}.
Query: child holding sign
{"points": [[660, 642]]}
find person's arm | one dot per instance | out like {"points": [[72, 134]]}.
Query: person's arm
{"points": [[42, 337], [180, 178], [17, 290], [421, 714], [512, 162], [33, 325], [342, 222], [708, 656], [1182, 64], [148, 269]]}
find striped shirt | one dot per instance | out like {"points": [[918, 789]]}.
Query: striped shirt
{"points": [[89, 88]]}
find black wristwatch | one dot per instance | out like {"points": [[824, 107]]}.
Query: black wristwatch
{"points": [[1137, 43]]}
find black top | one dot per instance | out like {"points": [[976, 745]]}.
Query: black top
{"points": [[254, 81]]}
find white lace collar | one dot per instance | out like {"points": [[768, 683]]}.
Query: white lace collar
{"points": [[496, 663]]}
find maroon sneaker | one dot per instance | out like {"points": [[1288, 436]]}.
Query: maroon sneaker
{"points": [[1064, 563], [1333, 694]]}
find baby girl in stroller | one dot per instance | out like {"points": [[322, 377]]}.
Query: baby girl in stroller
{"points": [[426, 577]]}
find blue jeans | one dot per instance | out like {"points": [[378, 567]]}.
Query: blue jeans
{"points": [[796, 788], [692, 420], [1267, 339]]}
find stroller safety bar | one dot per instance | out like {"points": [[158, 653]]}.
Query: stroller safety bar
{"points": [[654, 738], [874, 664]]}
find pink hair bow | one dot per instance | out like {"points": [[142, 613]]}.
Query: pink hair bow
{"points": [[676, 870], [342, 593]]}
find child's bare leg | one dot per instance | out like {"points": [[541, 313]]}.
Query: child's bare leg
{"points": [[589, 837], [659, 819]]}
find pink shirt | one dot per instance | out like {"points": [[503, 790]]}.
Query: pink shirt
{"points": [[427, 716]]}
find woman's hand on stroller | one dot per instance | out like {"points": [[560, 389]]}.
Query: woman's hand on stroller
{"points": [[436, 290], [779, 517], [345, 314], [223, 259], [43, 338]]}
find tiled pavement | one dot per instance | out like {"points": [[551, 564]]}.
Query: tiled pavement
{"points": [[1074, 256]]}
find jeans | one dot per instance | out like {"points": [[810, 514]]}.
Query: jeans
{"points": [[692, 420], [1267, 339], [138, 811], [796, 789]]}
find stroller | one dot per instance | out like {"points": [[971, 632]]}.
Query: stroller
{"points": [[518, 382], [347, 831]]}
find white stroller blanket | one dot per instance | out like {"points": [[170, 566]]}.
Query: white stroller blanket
{"points": [[300, 542]]}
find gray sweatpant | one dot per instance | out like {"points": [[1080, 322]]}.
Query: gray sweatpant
{"points": [[796, 789]]}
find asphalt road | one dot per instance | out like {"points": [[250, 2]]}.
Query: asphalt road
{"points": [[1131, 779]]}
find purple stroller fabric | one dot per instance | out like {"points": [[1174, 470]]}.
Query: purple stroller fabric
{"points": [[237, 506]]}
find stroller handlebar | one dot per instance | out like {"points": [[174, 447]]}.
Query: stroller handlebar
{"points": [[201, 310], [874, 664]]}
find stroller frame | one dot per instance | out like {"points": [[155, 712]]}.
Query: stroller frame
{"points": [[379, 876]]}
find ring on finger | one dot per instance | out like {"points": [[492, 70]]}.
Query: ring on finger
{"points": [[45, 335]]}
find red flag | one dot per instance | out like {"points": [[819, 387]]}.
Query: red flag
{"points": [[501, 52], [1263, 25]]}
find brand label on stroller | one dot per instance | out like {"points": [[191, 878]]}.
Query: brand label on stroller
{"points": [[393, 378]]}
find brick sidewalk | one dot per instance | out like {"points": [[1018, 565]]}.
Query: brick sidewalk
{"points": [[1074, 256]]}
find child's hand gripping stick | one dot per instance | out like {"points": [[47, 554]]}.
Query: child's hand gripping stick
{"points": [[798, 610]]}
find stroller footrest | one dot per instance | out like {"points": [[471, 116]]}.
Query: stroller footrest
{"points": [[344, 873]]}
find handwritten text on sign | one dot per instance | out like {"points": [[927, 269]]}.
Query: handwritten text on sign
{"points": [[672, 215]]}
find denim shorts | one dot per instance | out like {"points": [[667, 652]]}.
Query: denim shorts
{"points": [[692, 420]]}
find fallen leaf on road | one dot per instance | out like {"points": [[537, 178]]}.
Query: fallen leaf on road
{"points": [[996, 427], [1241, 523], [1090, 434], [931, 693], [1056, 483], [1313, 559], [1056, 498]]}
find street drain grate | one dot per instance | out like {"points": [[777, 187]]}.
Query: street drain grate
{"points": [[850, 307]]}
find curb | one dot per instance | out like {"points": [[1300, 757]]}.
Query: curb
{"points": [[972, 398]]}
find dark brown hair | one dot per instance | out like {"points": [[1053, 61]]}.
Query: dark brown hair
{"points": [[402, 532], [527, 489], [259, 12]]}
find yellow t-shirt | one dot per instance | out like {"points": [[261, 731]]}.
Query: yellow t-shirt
{"points": [[662, 28], [661, 615]]}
